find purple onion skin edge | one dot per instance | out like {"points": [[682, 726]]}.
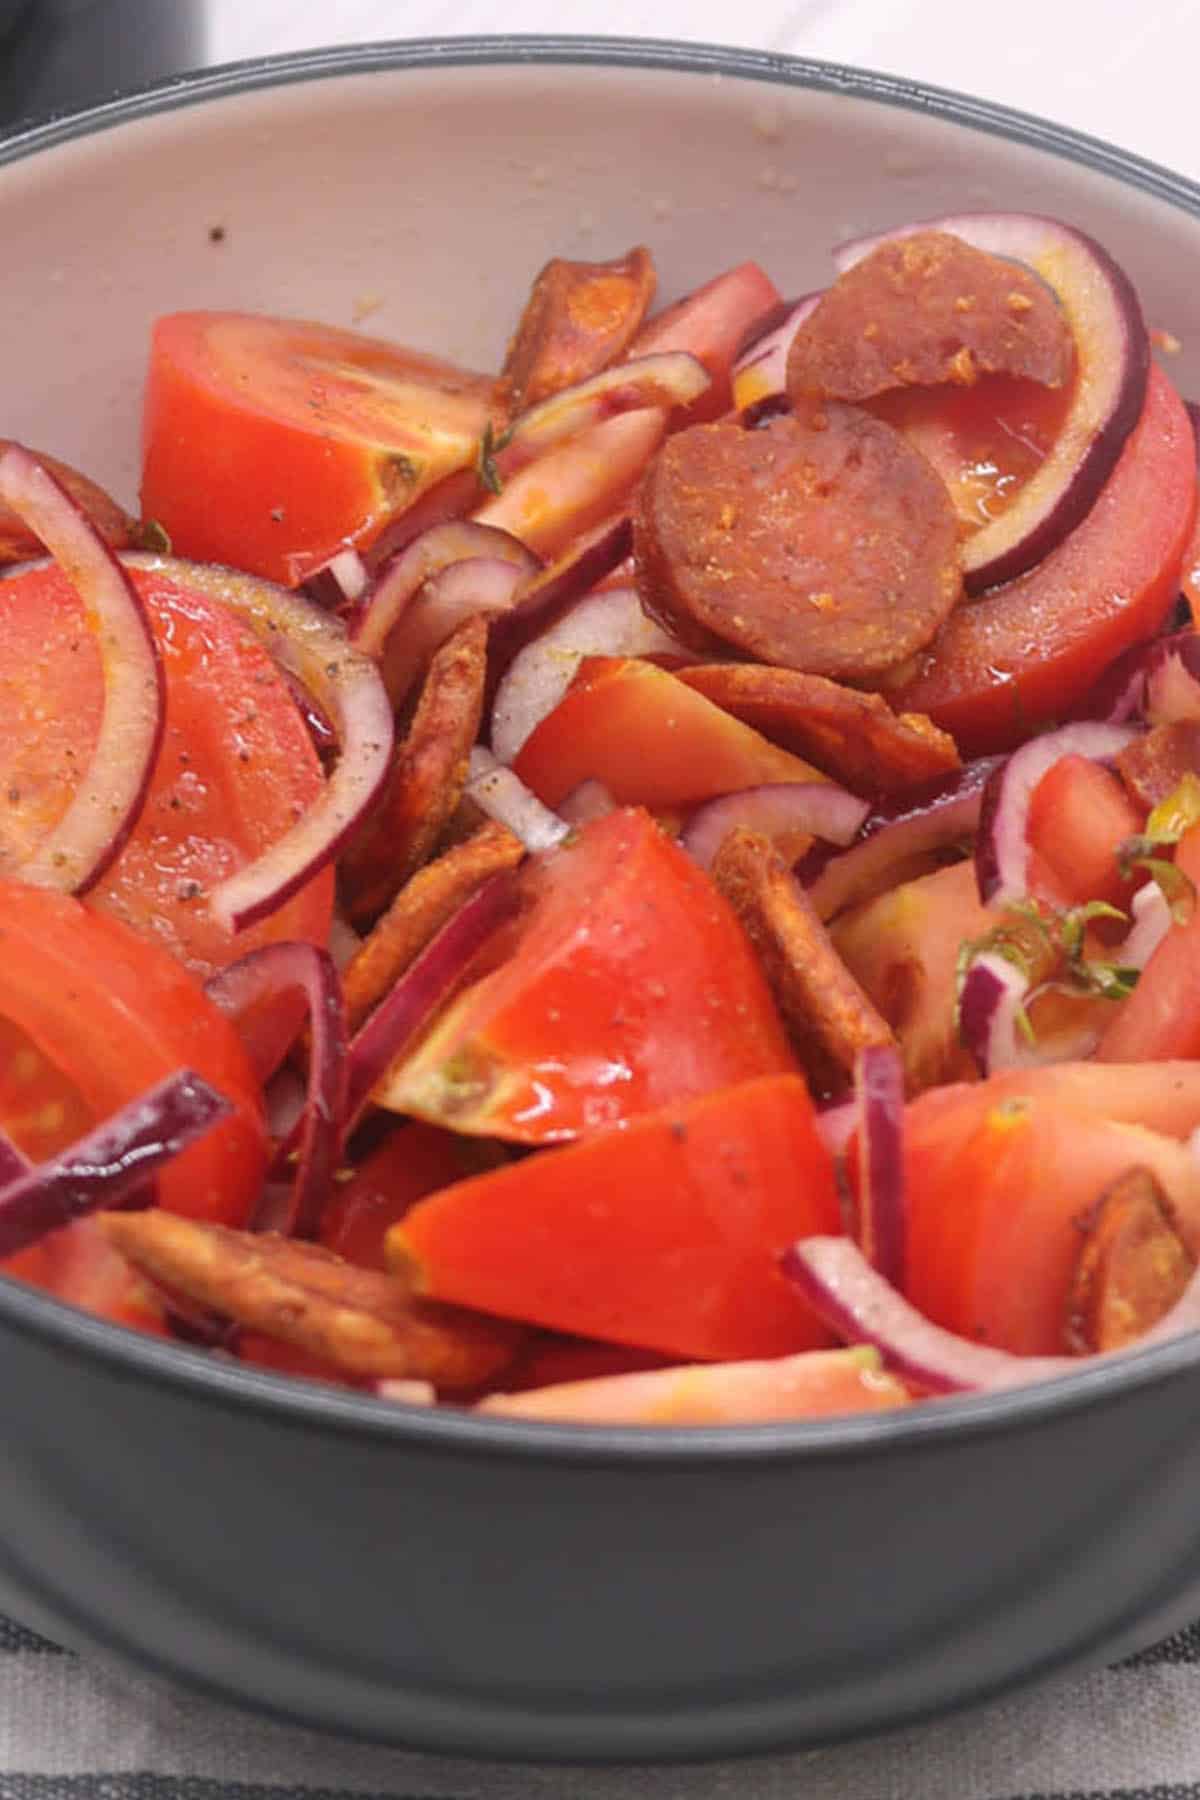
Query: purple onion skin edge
{"points": [[879, 1080], [111, 1166], [423, 987]]}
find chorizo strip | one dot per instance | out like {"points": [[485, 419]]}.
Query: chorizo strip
{"points": [[829, 1015], [853, 737], [580, 317], [365, 1323]]}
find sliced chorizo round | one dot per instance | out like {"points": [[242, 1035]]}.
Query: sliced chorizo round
{"points": [[925, 309], [821, 542]]}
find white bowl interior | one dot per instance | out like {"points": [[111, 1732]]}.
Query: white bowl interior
{"points": [[419, 202]]}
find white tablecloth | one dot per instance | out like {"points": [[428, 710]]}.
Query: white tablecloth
{"points": [[68, 1730]]}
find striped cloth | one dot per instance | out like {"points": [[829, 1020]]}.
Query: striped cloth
{"points": [[71, 1730]]}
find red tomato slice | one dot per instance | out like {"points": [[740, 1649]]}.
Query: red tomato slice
{"points": [[236, 768], [91, 1015], [652, 740], [1079, 816], [626, 984], [414, 1160], [711, 324], [813, 1385], [1161, 1018], [997, 1185], [271, 444], [664, 1234], [1025, 653]]}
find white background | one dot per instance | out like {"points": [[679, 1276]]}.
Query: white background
{"points": [[1125, 70]]}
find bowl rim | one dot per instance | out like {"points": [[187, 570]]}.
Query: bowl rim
{"points": [[299, 1404]]}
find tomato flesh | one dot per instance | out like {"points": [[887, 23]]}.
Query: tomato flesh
{"points": [[272, 444], [997, 1186], [91, 1015], [1079, 816], [626, 984], [1025, 653], [652, 740], [664, 1235], [235, 770]]}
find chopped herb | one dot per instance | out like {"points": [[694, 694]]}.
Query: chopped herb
{"points": [[490, 446]]}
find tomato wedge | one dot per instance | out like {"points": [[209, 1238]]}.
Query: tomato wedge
{"points": [[236, 768], [1079, 816], [664, 1235], [414, 1160], [625, 984], [1025, 653], [711, 324], [91, 1015], [652, 740], [272, 444], [998, 1183]]}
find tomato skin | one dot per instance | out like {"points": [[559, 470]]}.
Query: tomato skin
{"points": [[997, 1184], [1079, 816], [627, 984], [1025, 653], [271, 444], [664, 1234], [114, 1014], [235, 769], [652, 740], [1161, 1018]]}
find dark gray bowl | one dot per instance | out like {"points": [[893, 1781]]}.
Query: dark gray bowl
{"points": [[478, 1585]]}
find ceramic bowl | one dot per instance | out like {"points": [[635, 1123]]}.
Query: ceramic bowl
{"points": [[481, 1585]]}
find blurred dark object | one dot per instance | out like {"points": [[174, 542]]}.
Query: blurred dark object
{"points": [[57, 55]]}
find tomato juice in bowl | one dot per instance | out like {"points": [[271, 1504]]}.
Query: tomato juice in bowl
{"points": [[556, 1493]]}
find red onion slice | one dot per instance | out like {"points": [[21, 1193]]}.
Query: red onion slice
{"points": [[478, 585], [106, 804], [1002, 846], [1151, 915], [760, 372], [879, 1093], [294, 1206], [611, 623], [818, 809], [422, 988], [1112, 353], [399, 581], [546, 596], [665, 378], [111, 1166], [857, 1303], [862, 1307], [346, 687], [502, 795], [991, 1008], [932, 817]]}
